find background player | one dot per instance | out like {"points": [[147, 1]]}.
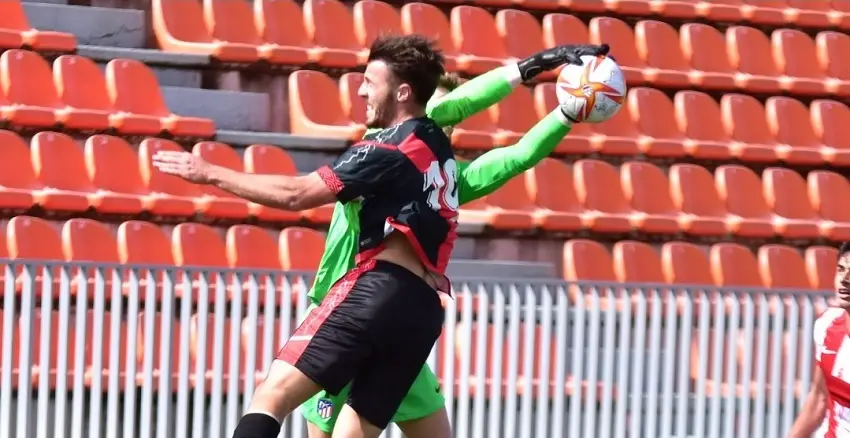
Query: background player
{"points": [[422, 414], [826, 411], [377, 326]]}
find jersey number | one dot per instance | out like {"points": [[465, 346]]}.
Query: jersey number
{"points": [[441, 185]]}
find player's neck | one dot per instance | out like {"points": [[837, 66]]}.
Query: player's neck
{"points": [[403, 115]]}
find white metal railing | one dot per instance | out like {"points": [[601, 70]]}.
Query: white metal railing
{"points": [[93, 351]]}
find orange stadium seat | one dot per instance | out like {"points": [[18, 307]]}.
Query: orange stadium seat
{"points": [[621, 38], [831, 123], [636, 262], [143, 243], [653, 112], [16, 32], [787, 195], [830, 48], [373, 18], [658, 46], [619, 135], [694, 193], [550, 189], [202, 349], [251, 247], [559, 29], [782, 267], [507, 208], [704, 49], [164, 338], [589, 260], [31, 238], [719, 10], [682, 9], [353, 106], [521, 34], [795, 56], [606, 210], [233, 22], [329, 24], [685, 263], [820, 266], [646, 189], [59, 163], [315, 108], [476, 38], [113, 168], [300, 249], [426, 19], [698, 116], [734, 265], [827, 192], [818, 13], [180, 27], [763, 12], [475, 132], [222, 155], [269, 160], [581, 134], [746, 122], [750, 54], [797, 144], [17, 178], [87, 240], [198, 245], [512, 116], [289, 34], [28, 85]]}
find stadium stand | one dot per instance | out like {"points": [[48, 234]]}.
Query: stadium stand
{"points": [[726, 168]]}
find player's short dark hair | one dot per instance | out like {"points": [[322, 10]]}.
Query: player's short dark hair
{"points": [[413, 59], [844, 248], [449, 81]]}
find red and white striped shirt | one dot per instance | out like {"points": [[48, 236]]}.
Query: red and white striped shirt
{"points": [[832, 353]]}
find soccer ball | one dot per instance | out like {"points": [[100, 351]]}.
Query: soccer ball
{"points": [[592, 92]]}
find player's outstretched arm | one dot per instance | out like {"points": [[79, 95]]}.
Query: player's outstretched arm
{"points": [[490, 171], [813, 410], [493, 86]]}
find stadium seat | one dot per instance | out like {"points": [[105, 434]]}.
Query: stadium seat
{"points": [[619, 135], [111, 326], [658, 46], [134, 89], [301, 249], [795, 56], [719, 10], [763, 12], [233, 23], [113, 168], [704, 49], [636, 262], [621, 38], [143, 243], [512, 116], [329, 24], [16, 32], [698, 117], [537, 4], [159, 344], [606, 210], [734, 265], [18, 185], [31, 238], [694, 194], [521, 34], [195, 245], [750, 54], [476, 38], [550, 189], [251, 247], [581, 135], [180, 27], [28, 86], [161, 185], [560, 29], [475, 132], [827, 192], [831, 125], [205, 337], [507, 208], [373, 18], [685, 263], [353, 106], [782, 267], [746, 123], [786, 194], [830, 48], [59, 163], [315, 108], [589, 260], [817, 13], [270, 160], [90, 241], [291, 34], [222, 155], [797, 144], [653, 111], [426, 19], [820, 266], [646, 189]]}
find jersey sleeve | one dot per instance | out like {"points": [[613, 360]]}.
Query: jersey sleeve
{"points": [[362, 169], [492, 170], [473, 96]]}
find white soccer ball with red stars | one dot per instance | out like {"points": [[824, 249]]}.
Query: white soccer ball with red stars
{"points": [[592, 92]]}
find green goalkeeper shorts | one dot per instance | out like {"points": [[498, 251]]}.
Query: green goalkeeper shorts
{"points": [[423, 399]]}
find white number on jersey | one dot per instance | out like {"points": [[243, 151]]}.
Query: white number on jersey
{"points": [[441, 185]]}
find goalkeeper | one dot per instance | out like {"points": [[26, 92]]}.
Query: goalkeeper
{"points": [[422, 414]]}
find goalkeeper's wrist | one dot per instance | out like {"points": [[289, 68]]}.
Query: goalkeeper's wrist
{"points": [[512, 74], [563, 118]]}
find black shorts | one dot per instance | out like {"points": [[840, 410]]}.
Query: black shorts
{"points": [[375, 329]]}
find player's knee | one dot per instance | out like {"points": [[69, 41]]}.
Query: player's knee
{"points": [[257, 425], [283, 390]]}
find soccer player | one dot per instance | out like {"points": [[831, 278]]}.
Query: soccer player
{"points": [[379, 322], [826, 411], [422, 414]]}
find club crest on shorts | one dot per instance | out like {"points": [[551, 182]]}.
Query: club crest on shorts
{"points": [[325, 408]]}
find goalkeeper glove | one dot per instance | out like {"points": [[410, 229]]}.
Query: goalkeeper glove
{"points": [[551, 58]]}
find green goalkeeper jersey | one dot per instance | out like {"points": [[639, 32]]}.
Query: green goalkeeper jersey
{"points": [[475, 179]]}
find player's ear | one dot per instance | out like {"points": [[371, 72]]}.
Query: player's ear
{"points": [[404, 93]]}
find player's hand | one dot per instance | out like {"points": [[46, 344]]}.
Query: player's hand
{"points": [[190, 167], [551, 58]]}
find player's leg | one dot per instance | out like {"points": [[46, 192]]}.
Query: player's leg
{"points": [[423, 414], [321, 412]]}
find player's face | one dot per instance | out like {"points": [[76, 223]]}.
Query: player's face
{"points": [[842, 276], [383, 94], [438, 94]]}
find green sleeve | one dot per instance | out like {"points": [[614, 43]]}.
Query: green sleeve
{"points": [[470, 98], [490, 171]]}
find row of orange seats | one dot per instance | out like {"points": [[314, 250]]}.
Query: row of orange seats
{"points": [[109, 176], [75, 94], [16, 32], [739, 126], [641, 196]]}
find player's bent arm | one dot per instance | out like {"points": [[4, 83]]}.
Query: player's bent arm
{"points": [[492, 170], [475, 95], [293, 193], [813, 410]]}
